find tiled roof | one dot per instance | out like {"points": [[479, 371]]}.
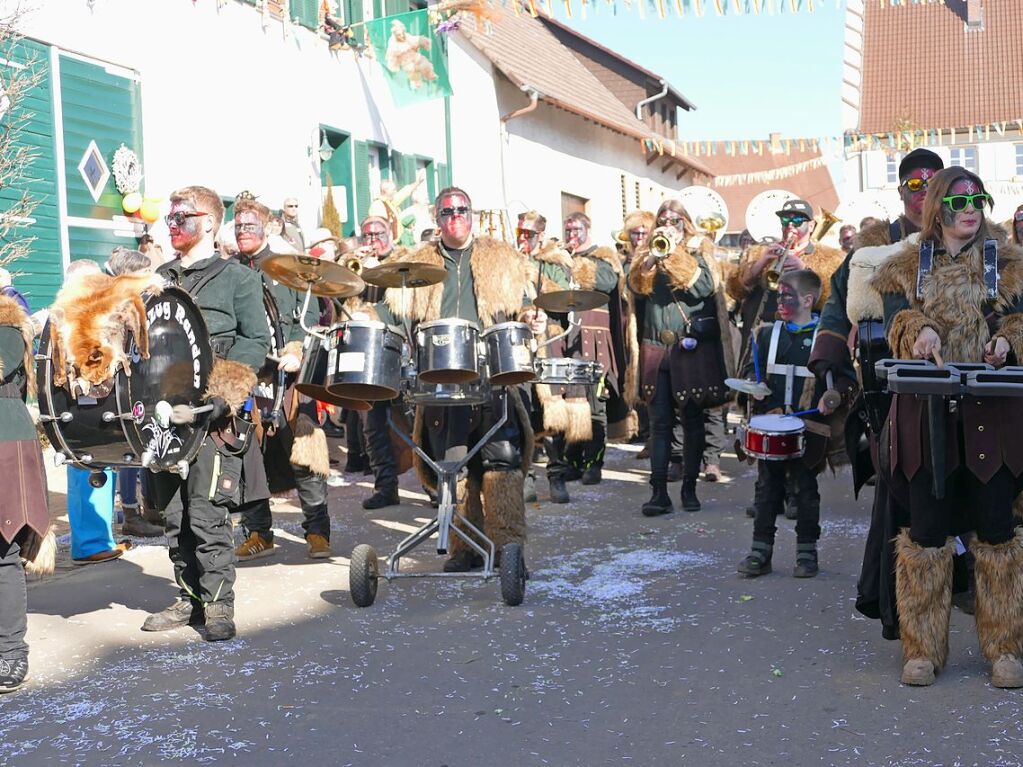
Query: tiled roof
{"points": [[920, 64], [527, 53], [815, 185]]}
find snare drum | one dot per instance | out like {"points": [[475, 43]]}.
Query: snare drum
{"points": [[313, 376], [364, 361], [773, 437], [568, 371], [446, 352], [120, 427], [509, 352]]}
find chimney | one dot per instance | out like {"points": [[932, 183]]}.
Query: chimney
{"points": [[974, 15]]}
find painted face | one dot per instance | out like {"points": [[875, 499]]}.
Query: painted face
{"points": [[796, 227], [670, 218], [454, 219], [913, 190], [962, 224], [845, 238], [789, 302], [527, 240], [249, 232], [576, 234], [377, 235], [186, 226], [638, 236]]}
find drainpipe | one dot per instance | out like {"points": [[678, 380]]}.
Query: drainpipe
{"points": [[644, 102], [534, 97], [534, 100]]}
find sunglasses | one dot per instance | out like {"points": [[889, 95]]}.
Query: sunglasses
{"points": [[915, 184], [370, 236], [247, 228], [529, 234], [793, 220], [180, 217], [958, 202], [461, 210], [669, 220], [290, 206]]}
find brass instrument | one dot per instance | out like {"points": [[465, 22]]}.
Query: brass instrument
{"points": [[827, 220], [353, 264], [621, 239], [711, 222], [663, 241], [773, 275]]}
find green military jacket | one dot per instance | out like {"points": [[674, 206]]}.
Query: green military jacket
{"points": [[660, 310], [231, 303]]}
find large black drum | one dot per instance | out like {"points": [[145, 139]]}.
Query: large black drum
{"points": [[270, 379], [364, 361], [128, 425], [312, 378]]}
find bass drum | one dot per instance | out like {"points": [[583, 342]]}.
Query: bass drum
{"points": [[120, 428], [270, 383]]}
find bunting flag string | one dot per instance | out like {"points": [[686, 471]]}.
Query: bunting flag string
{"points": [[684, 9], [774, 174]]}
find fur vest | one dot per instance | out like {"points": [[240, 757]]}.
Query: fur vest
{"points": [[863, 302], [823, 260]]}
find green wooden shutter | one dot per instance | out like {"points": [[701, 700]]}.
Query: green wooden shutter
{"points": [[394, 7], [307, 12], [361, 173]]}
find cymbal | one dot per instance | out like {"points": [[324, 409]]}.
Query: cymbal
{"points": [[562, 301], [748, 387], [324, 278], [416, 274], [320, 393]]}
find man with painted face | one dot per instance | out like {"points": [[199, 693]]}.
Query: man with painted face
{"points": [[854, 312], [486, 284], [196, 509], [606, 335], [304, 444], [956, 294]]}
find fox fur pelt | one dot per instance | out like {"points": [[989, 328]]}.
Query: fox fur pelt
{"points": [[88, 325]]}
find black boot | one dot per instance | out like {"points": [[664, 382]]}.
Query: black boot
{"points": [[592, 475], [382, 499], [806, 561], [758, 561], [13, 672], [660, 501], [559, 493], [463, 561], [689, 500]]}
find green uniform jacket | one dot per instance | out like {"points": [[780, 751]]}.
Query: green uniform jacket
{"points": [[232, 305], [289, 301]]}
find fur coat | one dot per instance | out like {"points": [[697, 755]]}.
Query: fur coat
{"points": [[823, 260]]}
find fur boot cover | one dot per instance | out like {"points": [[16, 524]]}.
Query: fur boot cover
{"points": [[469, 504], [231, 381], [923, 593], [504, 510], [953, 299], [39, 553], [999, 615], [624, 430], [309, 447]]}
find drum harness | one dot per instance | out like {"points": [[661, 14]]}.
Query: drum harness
{"points": [[791, 372]]}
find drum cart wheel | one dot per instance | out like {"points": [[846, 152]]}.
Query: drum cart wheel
{"points": [[363, 575], [513, 574]]}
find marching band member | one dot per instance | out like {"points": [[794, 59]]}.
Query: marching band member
{"points": [[957, 294], [485, 284], [196, 509], [683, 357], [303, 442], [1017, 226]]}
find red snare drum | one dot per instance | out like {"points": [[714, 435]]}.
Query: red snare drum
{"points": [[773, 437]]}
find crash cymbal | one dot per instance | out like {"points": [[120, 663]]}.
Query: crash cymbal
{"points": [[320, 393], [416, 274], [325, 278], [562, 301], [748, 387]]}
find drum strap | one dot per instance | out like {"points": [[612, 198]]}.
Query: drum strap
{"points": [[990, 268], [791, 372]]}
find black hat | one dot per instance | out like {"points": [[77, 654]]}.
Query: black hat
{"points": [[797, 207], [919, 158]]}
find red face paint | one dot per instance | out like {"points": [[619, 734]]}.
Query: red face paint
{"points": [[189, 233], [576, 235], [454, 219], [914, 201], [377, 235], [249, 232], [637, 236]]}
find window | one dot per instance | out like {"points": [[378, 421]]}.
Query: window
{"points": [[892, 168], [965, 157], [571, 203], [1019, 159]]}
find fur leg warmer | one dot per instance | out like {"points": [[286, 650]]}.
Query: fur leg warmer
{"points": [[39, 553], [923, 593], [469, 505], [233, 382], [504, 510], [309, 448], [999, 573]]}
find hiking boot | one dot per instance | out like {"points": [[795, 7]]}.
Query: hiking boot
{"points": [[806, 561], [559, 493], [758, 561], [219, 622], [381, 499], [592, 475], [712, 473], [572, 474], [181, 613], [529, 489], [319, 546], [13, 673], [137, 525], [254, 547], [463, 561], [689, 500], [659, 503], [918, 672], [1007, 671], [675, 472]]}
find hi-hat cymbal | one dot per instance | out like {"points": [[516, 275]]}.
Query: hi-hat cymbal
{"points": [[562, 301], [748, 387], [415, 274], [324, 278]]}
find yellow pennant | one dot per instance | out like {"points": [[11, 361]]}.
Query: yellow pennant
{"points": [[680, 8], [660, 9], [699, 8], [568, 8]]}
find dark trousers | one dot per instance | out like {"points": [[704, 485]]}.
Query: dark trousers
{"points": [[771, 479], [988, 504], [582, 455], [13, 603], [354, 439], [312, 495], [377, 436], [451, 431], [714, 429], [664, 415], [557, 464], [199, 534]]}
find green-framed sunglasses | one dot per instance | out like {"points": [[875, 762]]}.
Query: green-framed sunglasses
{"points": [[958, 202]]}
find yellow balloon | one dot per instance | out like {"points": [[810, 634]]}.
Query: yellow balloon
{"points": [[150, 211], [131, 202]]}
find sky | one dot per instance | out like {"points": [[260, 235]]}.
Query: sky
{"points": [[748, 75]]}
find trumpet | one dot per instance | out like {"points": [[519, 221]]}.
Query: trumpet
{"points": [[663, 241], [773, 275], [354, 265], [621, 238]]}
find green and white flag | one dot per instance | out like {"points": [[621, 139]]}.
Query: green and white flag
{"points": [[409, 54]]}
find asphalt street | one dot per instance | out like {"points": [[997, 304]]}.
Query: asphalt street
{"points": [[637, 643]]}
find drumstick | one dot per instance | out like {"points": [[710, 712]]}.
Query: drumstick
{"points": [[937, 358], [811, 411]]}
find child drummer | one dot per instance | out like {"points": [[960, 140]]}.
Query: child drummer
{"points": [[781, 352]]}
